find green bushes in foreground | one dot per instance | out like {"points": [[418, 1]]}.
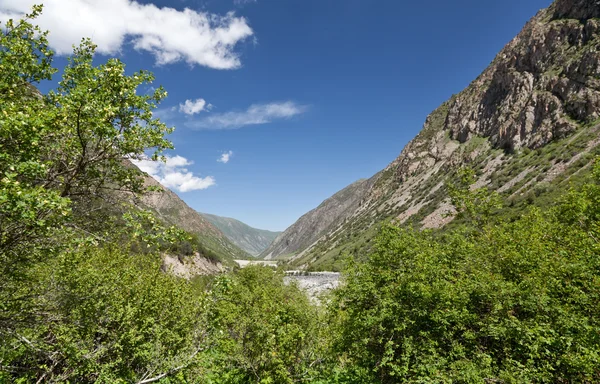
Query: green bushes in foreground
{"points": [[504, 302], [507, 302], [264, 330], [103, 316], [82, 302]]}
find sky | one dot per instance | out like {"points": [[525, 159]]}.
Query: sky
{"points": [[278, 104]]}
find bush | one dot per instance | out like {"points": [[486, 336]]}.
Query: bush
{"points": [[105, 316], [506, 302], [265, 331]]}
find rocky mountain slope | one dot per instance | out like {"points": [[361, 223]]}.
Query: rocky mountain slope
{"points": [[527, 125], [315, 223], [252, 240], [170, 208]]}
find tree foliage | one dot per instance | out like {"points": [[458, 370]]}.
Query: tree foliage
{"points": [[69, 148], [265, 331], [74, 306], [511, 302], [28, 211], [473, 204]]}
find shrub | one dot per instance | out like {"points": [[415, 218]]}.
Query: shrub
{"points": [[502, 302], [264, 331], [105, 316]]}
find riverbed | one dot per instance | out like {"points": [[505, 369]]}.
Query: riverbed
{"points": [[314, 283]]}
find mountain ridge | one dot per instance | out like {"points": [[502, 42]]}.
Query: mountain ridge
{"points": [[312, 225], [541, 88], [249, 239], [173, 210]]}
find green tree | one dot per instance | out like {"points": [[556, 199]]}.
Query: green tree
{"points": [[265, 331], [70, 148], [99, 122], [75, 307], [30, 215], [473, 204], [28, 212]]}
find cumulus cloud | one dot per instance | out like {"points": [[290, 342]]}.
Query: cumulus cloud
{"points": [[254, 115], [191, 107], [174, 174], [225, 157], [198, 38]]}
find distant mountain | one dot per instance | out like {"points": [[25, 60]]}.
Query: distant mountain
{"points": [[170, 208], [529, 126], [310, 227], [252, 240]]}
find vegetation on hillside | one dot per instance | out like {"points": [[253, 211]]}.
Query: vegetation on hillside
{"points": [[489, 301], [252, 240], [525, 179], [497, 298]]}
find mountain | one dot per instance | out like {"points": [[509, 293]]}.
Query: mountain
{"points": [[528, 126], [252, 240], [170, 208], [315, 223]]}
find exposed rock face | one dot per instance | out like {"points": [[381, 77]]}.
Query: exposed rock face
{"points": [[577, 9], [252, 240], [189, 267], [312, 225], [543, 86]]}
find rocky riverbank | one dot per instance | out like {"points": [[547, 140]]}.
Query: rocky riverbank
{"points": [[314, 283]]}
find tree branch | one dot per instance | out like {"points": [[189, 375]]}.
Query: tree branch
{"points": [[171, 371]]}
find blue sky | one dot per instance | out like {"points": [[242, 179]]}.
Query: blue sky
{"points": [[303, 97]]}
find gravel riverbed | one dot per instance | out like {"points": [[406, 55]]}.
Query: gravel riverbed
{"points": [[314, 283]]}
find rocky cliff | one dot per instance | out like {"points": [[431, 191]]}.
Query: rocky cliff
{"points": [[541, 93]]}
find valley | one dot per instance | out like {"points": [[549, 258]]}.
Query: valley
{"points": [[472, 257], [251, 240]]}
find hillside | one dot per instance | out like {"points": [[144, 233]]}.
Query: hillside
{"points": [[175, 211], [311, 226], [252, 240], [526, 124]]}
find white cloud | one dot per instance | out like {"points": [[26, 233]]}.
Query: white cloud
{"points": [[254, 115], [225, 157], [198, 38], [174, 174], [191, 107]]}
